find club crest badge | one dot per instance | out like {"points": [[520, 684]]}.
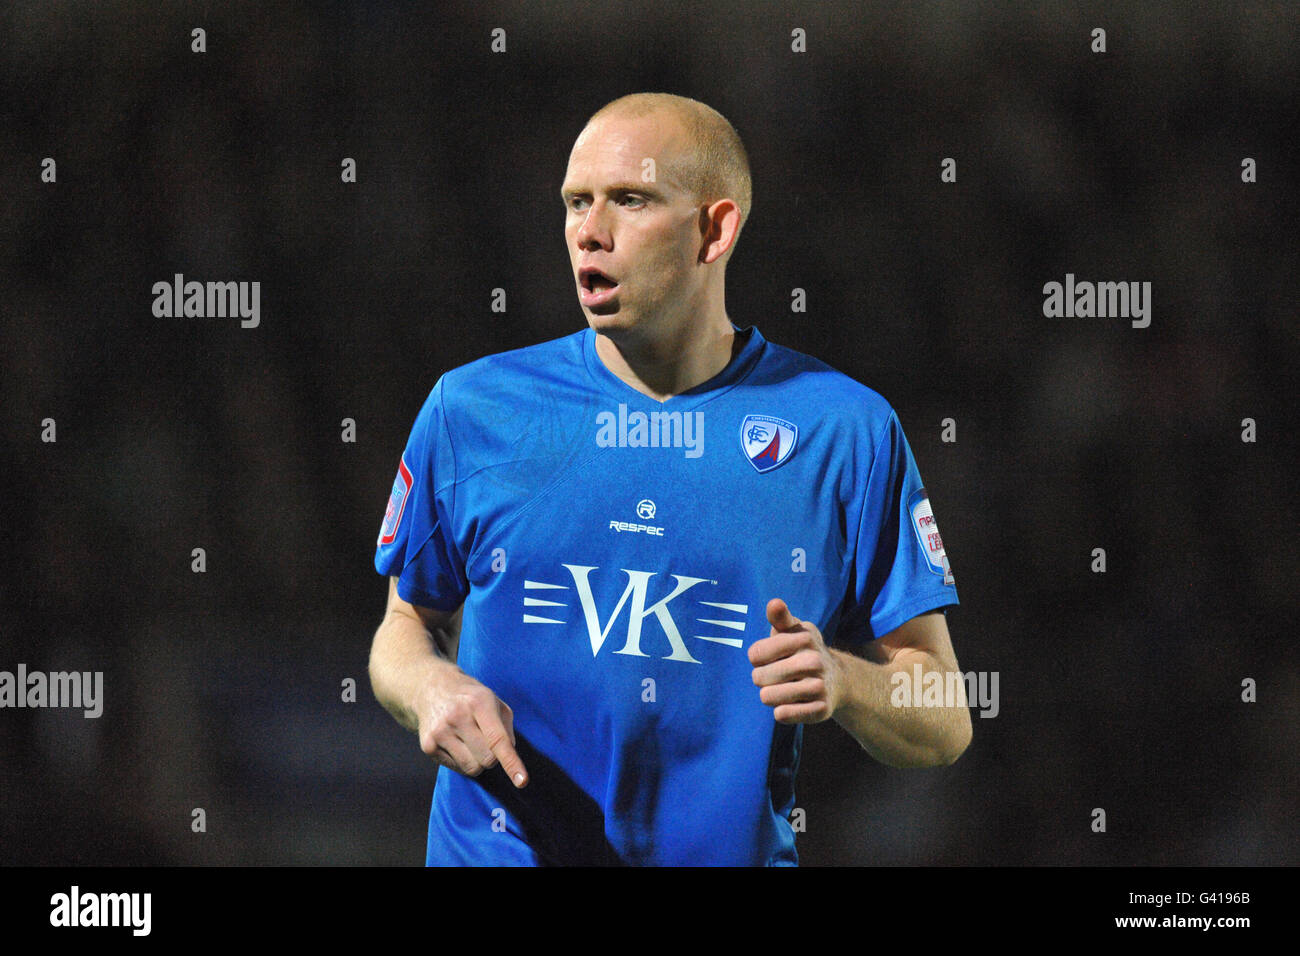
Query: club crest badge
{"points": [[396, 504], [767, 441]]}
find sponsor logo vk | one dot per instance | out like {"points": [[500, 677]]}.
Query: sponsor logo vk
{"points": [[636, 598], [766, 441]]}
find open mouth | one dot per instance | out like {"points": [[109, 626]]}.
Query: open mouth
{"points": [[597, 286], [593, 280]]}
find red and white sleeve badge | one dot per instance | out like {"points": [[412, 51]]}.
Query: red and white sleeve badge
{"points": [[396, 503]]}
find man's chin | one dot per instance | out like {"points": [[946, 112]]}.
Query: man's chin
{"points": [[607, 317]]}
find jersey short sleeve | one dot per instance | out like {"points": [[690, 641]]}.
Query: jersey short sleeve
{"points": [[900, 567], [416, 543]]}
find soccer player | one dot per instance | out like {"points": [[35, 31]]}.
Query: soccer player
{"points": [[626, 566]]}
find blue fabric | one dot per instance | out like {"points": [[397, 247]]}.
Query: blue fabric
{"points": [[613, 580]]}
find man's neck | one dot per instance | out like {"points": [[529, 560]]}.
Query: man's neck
{"points": [[669, 366]]}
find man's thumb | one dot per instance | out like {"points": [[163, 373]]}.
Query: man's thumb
{"points": [[780, 617]]}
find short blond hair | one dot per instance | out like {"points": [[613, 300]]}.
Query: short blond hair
{"points": [[718, 167]]}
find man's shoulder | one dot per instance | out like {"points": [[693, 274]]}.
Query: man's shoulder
{"points": [[521, 368], [815, 384]]}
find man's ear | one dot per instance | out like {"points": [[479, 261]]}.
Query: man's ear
{"points": [[719, 223]]}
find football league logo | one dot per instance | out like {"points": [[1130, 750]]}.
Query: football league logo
{"points": [[396, 503], [767, 441], [927, 535]]}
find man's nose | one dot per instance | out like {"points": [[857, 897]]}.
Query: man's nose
{"points": [[594, 232]]}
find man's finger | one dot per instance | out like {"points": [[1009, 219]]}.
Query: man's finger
{"points": [[507, 718], [455, 754], [803, 663], [794, 692], [775, 648], [498, 740], [811, 713], [779, 616], [480, 751]]}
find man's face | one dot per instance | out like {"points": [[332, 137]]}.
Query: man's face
{"points": [[634, 245]]}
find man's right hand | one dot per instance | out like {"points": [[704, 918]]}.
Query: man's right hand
{"points": [[460, 723], [466, 727]]}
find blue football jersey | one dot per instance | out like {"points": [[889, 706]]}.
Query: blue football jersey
{"points": [[615, 556]]}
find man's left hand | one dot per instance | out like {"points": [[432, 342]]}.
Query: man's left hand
{"points": [[794, 669]]}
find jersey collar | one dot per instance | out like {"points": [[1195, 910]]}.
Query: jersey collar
{"points": [[741, 364]]}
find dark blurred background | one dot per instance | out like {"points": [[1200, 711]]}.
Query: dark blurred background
{"points": [[1119, 690]]}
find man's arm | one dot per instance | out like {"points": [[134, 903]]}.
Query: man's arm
{"points": [[460, 722], [807, 682], [910, 736]]}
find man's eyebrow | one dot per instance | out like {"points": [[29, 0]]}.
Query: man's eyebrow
{"points": [[615, 189]]}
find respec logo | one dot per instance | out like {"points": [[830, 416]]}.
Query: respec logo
{"points": [[635, 597], [645, 510]]}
